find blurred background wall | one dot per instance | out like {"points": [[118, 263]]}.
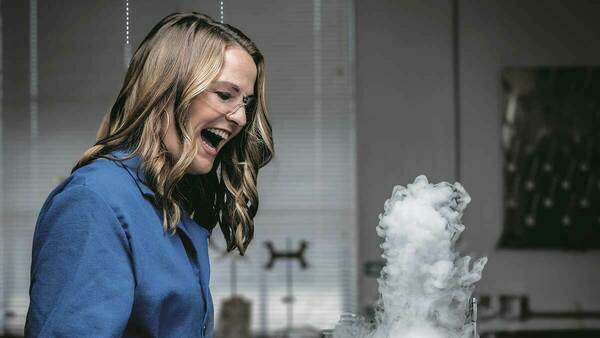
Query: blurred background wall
{"points": [[364, 95]]}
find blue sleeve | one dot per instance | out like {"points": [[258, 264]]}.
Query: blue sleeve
{"points": [[82, 280]]}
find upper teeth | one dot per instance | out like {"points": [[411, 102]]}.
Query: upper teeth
{"points": [[219, 132]]}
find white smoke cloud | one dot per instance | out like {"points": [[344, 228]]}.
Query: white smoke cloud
{"points": [[425, 286]]}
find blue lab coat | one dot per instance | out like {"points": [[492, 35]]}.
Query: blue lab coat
{"points": [[102, 266]]}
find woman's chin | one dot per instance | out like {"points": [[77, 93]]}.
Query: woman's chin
{"points": [[200, 165]]}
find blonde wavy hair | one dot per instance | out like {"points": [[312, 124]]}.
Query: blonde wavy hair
{"points": [[175, 62]]}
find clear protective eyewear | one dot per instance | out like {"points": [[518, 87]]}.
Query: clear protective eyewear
{"points": [[226, 100]]}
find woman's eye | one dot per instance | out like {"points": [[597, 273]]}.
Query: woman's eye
{"points": [[251, 104], [223, 95]]}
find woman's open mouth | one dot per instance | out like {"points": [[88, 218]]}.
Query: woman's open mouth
{"points": [[213, 139]]}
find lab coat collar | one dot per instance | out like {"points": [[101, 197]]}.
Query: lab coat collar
{"points": [[132, 165]]}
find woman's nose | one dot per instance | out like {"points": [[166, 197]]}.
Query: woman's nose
{"points": [[238, 116]]}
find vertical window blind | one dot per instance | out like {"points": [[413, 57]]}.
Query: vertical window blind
{"points": [[308, 191]]}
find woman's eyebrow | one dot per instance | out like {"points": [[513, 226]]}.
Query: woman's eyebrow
{"points": [[233, 85]]}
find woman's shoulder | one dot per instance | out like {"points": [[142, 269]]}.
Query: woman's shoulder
{"points": [[100, 172], [91, 194], [101, 177]]}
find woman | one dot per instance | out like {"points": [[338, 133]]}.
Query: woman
{"points": [[120, 247]]}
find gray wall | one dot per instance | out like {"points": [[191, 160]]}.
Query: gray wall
{"points": [[405, 115], [406, 123]]}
